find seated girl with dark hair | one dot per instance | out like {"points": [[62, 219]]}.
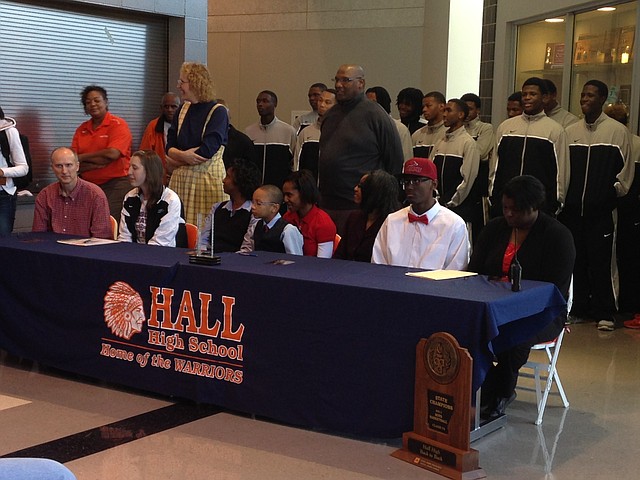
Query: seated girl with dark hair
{"points": [[232, 217], [545, 250], [377, 195], [151, 212], [301, 197]]}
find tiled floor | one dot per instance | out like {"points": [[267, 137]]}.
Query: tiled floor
{"points": [[81, 423]]}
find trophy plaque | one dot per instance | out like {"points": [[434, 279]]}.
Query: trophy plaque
{"points": [[442, 411]]}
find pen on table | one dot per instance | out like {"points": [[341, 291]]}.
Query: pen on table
{"points": [[88, 240], [248, 254]]}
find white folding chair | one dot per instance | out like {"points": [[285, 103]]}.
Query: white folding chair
{"points": [[550, 374]]}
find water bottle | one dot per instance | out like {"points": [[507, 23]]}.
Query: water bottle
{"points": [[515, 274]]}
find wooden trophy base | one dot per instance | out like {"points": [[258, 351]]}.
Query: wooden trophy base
{"points": [[437, 457], [205, 259]]}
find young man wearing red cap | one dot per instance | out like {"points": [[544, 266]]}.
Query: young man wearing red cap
{"points": [[425, 234]]}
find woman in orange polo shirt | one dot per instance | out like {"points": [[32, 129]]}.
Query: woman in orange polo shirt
{"points": [[103, 145]]}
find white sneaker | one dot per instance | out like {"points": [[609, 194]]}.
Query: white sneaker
{"points": [[606, 325]]}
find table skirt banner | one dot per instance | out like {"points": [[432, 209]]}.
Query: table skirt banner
{"points": [[317, 343]]}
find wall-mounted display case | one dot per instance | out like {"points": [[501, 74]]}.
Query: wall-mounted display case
{"points": [[541, 53], [602, 48]]}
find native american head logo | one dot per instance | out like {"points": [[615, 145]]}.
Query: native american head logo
{"points": [[123, 310]]}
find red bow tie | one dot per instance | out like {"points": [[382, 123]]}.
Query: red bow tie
{"points": [[416, 218]]}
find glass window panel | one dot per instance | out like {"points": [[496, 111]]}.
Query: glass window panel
{"points": [[540, 53], [603, 49], [49, 54]]}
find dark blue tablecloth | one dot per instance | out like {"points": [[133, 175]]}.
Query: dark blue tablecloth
{"points": [[324, 343]]}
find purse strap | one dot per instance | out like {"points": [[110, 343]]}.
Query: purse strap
{"points": [[206, 122], [183, 113]]}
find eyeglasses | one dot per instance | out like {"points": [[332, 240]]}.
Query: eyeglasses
{"points": [[344, 80], [413, 181], [182, 82], [259, 203]]}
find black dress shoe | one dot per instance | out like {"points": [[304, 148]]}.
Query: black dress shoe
{"points": [[485, 410], [500, 407]]}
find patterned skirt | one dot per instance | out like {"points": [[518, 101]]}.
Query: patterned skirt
{"points": [[199, 186]]}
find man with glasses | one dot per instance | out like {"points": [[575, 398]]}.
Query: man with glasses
{"points": [[155, 135], [425, 234], [357, 137]]}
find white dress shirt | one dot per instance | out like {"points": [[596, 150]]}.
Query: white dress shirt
{"points": [[442, 244]]}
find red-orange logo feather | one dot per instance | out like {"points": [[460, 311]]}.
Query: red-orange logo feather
{"points": [[123, 310]]}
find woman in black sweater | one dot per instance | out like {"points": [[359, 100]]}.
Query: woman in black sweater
{"points": [[377, 195], [545, 251]]}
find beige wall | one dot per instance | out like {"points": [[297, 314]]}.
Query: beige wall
{"points": [[286, 45]]}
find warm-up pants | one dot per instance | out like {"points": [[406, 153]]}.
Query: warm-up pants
{"points": [[595, 275]]}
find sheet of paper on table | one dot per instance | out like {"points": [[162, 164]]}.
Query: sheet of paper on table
{"points": [[87, 242], [441, 274]]}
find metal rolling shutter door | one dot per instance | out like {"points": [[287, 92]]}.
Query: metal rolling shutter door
{"points": [[48, 54]]}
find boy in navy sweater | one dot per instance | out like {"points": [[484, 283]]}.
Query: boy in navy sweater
{"points": [[271, 233]]}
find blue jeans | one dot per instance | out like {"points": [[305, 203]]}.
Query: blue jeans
{"points": [[7, 213]]}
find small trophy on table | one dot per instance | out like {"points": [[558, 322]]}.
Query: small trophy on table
{"points": [[205, 250]]}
